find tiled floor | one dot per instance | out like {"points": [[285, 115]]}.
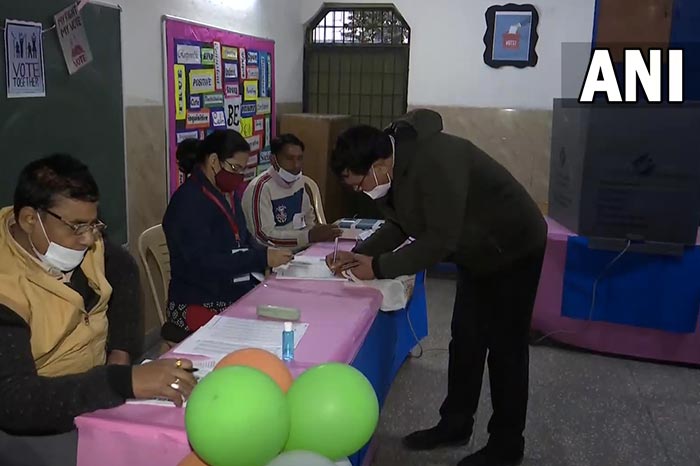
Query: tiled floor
{"points": [[584, 409]]}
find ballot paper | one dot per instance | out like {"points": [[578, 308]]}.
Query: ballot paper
{"points": [[306, 268], [223, 335]]}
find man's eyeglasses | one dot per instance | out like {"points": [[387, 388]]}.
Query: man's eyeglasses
{"points": [[358, 187], [79, 229]]}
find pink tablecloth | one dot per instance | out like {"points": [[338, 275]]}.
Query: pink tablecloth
{"points": [[339, 318], [600, 336]]}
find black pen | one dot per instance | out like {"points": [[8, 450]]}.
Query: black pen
{"points": [[191, 369]]}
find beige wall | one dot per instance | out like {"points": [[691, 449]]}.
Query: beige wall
{"points": [[518, 139]]}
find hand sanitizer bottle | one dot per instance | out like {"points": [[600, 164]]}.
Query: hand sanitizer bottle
{"points": [[288, 342]]}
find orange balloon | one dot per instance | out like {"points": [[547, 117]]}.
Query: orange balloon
{"points": [[192, 460], [262, 360]]}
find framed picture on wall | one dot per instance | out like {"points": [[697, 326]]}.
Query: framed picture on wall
{"points": [[511, 36]]}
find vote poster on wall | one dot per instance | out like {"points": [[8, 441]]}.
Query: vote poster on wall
{"points": [[218, 79], [24, 59]]}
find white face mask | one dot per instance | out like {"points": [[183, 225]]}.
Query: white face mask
{"points": [[57, 256], [287, 176], [380, 190]]}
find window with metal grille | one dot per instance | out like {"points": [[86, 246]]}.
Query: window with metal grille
{"points": [[356, 63]]}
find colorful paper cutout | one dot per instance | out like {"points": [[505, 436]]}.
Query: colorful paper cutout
{"points": [[263, 75], [249, 174], [246, 127], [231, 89], [268, 73], [254, 142], [213, 100], [201, 81], [186, 135], [198, 119], [259, 124], [264, 105], [229, 53], [265, 156], [252, 160], [250, 90], [188, 54], [218, 118], [180, 102], [207, 56], [268, 134], [232, 110], [230, 70], [253, 72], [248, 109], [242, 61], [217, 66]]}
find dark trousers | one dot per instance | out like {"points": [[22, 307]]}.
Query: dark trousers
{"points": [[44, 450], [492, 316]]}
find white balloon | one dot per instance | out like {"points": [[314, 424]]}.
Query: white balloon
{"points": [[343, 462], [301, 458]]}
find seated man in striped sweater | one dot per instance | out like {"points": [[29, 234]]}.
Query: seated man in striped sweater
{"points": [[277, 207]]}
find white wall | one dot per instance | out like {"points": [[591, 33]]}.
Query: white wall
{"points": [[142, 42], [447, 66]]}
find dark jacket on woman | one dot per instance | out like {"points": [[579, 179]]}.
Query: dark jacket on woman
{"points": [[208, 264]]}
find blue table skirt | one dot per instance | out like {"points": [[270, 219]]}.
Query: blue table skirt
{"points": [[388, 344], [640, 290]]}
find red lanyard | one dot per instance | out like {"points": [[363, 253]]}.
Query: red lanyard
{"points": [[225, 211]]}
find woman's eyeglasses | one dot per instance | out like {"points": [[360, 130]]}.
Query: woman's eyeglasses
{"points": [[234, 168]]}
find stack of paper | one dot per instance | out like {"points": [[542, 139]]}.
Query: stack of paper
{"points": [[306, 268], [223, 335]]}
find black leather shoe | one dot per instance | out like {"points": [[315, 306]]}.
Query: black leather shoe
{"points": [[435, 437], [489, 457]]}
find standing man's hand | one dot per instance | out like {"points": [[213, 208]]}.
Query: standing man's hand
{"points": [[344, 260], [324, 233], [363, 270]]}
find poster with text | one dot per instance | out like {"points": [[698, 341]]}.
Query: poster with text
{"points": [[24, 59], [71, 35], [217, 80]]}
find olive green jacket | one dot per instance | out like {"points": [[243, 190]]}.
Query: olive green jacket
{"points": [[455, 202]]}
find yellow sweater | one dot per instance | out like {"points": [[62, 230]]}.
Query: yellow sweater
{"points": [[66, 338]]}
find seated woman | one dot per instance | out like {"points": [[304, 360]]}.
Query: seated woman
{"points": [[212, 254], [69, 318]]}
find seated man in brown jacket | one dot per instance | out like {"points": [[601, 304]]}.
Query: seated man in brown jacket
{"points": [[70, 320]]}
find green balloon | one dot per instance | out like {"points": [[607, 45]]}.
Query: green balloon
{"points": [[237, 416], [334, 411]]}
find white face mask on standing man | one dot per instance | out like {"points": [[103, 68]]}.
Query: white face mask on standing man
{"points": [[382, 190]]}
